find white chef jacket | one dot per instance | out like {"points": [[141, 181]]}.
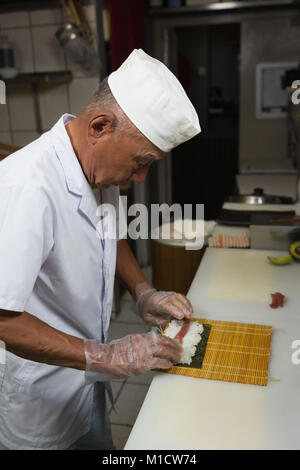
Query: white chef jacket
{"points": [[53, 265]]}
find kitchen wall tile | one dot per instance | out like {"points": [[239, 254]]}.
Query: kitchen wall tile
{"points": [[129, 403], [48, 54], [120, 434], [5, 137], [53, 103], [80, 92], [22, 44], [90, 12], [23, 138], [21, 107], [14, 19], [43, 17], [4, 117]]}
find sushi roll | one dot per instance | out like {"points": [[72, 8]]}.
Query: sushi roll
{"points": [[188, 333]]}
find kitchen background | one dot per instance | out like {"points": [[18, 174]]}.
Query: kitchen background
{"points": [[231, 57], [32, 35]]}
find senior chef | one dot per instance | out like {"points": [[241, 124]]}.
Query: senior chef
{"points": [[57, 274]]}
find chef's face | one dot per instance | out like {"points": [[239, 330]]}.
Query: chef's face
{"points": [[119, 157]]}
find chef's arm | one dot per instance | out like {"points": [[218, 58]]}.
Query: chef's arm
{"points": [[27, 336], [155, 307], [30, 338]]}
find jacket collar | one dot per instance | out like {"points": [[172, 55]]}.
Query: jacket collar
{"points": [[76, 181]]}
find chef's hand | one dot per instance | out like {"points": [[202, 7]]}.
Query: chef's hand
{"points": [[131, 355], [156, 307]]}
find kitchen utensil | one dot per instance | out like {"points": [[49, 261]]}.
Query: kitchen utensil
{"points": [[235, 352], [259, 197], [76, 38]]}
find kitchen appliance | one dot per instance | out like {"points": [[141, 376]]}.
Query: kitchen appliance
{"points": [[281, 182], [259, 197]]}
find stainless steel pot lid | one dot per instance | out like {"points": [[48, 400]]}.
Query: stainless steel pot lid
{"points": [[258, 197]]}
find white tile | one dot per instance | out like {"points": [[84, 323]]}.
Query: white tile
{"points": [[5, 138], [53, 101], [20, 39], [39, 17], [23, 138], [128, 404], [14, 19], [21, 108], [48, 54], [80, 92], [120, 435], [4, 117], [89, 10]]}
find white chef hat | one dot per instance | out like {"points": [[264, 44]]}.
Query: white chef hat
{"points": [[154, 100]]}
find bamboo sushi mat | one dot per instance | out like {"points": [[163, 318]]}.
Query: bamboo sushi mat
{"points": [[235, 352]]}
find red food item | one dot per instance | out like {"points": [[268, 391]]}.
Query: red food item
{"points": [[277, 300], [183, 331]]}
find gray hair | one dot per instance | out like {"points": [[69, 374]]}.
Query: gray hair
{"points": [[102, 96], [104, 99]]}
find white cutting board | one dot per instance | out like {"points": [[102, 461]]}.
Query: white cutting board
{"points": [[236, 284], [187, 413]]}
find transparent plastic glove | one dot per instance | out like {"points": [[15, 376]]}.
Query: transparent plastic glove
{"points": [[131, 355], [156, 307]]}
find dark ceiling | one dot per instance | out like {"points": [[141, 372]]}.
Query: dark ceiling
{"points": [[15, 5]]}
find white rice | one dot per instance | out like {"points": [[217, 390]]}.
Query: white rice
{"points": [[190, 340]]}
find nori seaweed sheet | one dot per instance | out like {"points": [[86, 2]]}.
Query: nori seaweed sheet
{"points": [[200, 350]]}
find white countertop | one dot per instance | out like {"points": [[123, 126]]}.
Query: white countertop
{"points": [[188, 413]]}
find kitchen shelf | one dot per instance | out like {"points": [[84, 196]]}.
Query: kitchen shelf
{"points": [[64, 76], [225, 6]]}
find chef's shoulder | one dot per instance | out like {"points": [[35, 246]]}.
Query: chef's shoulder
{"points": [[33, 165], [29, 177]]}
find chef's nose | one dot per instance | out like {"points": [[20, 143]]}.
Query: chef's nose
{"points": [[140, 175]]}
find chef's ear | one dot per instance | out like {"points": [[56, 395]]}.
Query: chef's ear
{"points": [[101, 124]]}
